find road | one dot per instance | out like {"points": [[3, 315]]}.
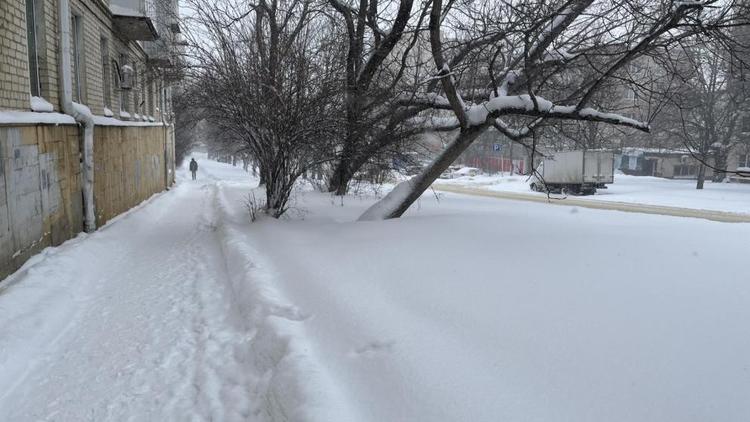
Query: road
{"points": [[726, 217]]}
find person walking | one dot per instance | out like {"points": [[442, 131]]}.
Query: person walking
{"points": [[193, 167]]}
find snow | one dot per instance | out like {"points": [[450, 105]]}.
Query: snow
{"points": [[640, 151], [110, 121], [124, 114], [390, 203], [123, 11], [466, 309], [82, 109], [727, 197], [28, 117], [108, 112], [41, 105]]}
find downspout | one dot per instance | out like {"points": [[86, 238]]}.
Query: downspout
{"points": [[166, 138], [79, 112], [166, 153], [169, 159]]}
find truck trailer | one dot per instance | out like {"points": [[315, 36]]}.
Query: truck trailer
{"points": [[574, 172]]}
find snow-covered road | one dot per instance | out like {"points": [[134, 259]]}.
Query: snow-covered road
{"points": [[133, 322]]}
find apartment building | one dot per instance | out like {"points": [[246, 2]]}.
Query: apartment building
{"points": [[85, 115]]}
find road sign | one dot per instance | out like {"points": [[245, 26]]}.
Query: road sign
{"points": [[497, 147]]}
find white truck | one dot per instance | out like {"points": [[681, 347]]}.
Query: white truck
{"points": [[574, 172]]}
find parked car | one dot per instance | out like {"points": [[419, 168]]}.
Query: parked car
{"points": [[450, 173], [467, 171], [574, 172]]}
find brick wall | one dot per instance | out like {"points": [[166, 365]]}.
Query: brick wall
{"points": [[97, 24], [14, 79]]}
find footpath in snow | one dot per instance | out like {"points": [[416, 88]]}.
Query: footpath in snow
{"points": [[466, 309], [141, 321]]}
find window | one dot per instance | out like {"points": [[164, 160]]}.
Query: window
{"points": [[78, 58], [144, 103], [106, 75], [136, 100], [32, 47], [122, 91], [685, 170], [151, 111], [161, 99]]}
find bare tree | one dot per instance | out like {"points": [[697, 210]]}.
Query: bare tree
{"points": [[533, 65], [263, 76], [382, 63], [710, 108]]}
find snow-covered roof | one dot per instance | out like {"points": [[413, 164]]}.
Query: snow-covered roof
{"points": [[640, 151]]}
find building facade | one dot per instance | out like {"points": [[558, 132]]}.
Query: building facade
{"points": [[85, 115]]}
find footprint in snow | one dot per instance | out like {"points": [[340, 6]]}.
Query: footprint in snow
{"points": [[374, 348]]}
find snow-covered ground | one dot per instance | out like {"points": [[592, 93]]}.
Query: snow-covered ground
{"points": [[467, 309], [728, 197]]}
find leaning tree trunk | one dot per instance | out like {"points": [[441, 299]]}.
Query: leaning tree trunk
{"points": [[701, 176], [406, 193]]}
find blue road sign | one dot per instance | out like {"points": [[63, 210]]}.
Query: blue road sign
{"points": [[497, 147]]}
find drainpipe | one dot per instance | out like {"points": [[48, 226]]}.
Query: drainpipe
{"points": [[166, 153], [79, 112]]}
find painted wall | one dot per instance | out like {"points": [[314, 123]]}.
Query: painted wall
{"points": [[41, 201], [129, 167], [40, 191]]}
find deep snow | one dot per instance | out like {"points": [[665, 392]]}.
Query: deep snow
{"points": [[467, 309]]}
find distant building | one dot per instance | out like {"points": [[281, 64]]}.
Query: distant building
{"points": [[494, 153], [85, 115], [671, 164]]}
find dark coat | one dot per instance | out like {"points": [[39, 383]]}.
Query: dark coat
{"points": [[193, 165]]}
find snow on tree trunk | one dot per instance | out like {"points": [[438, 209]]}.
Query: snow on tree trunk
{"points": [[406, 193]]}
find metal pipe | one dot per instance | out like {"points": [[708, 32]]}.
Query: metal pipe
{"points": [[79, 112]]}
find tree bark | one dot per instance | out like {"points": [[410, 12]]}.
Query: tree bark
{"points": [[701, 176], [339, 182]]}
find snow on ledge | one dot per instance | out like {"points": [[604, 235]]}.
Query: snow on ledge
{"points": [[41, 105], [124, 11], [124, 114], [30, 117], [108, 112], [82, 109], [110, 121]]}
